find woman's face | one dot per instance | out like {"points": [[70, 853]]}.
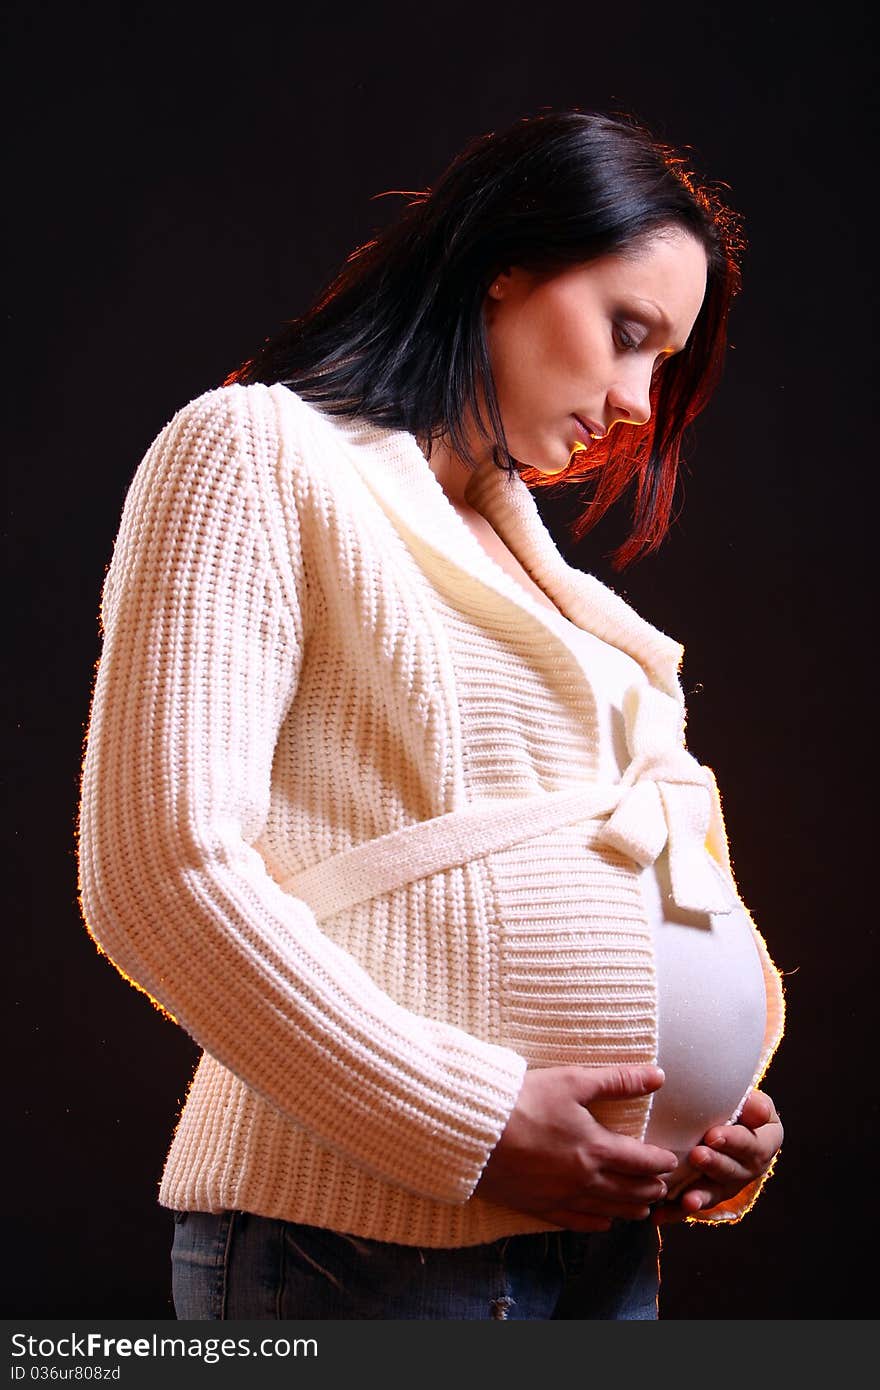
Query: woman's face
{"points": [[586, 341]]}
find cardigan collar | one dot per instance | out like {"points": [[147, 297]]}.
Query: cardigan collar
{"points": [[396, 471]]}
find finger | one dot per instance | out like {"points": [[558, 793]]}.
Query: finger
{"points": [[620, 1082], [699, 1199], [723, 1168], [624, 1201], [615, 1187], [637, 1193], [630, 1158], [758, 1110], [752, 1147], [734, 1141], [687, 1204]]}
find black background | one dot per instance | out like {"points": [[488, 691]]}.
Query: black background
{"points": [[183, 179]]}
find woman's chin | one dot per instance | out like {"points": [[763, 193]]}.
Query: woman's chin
{"points": [[548, 462], [555, 469], [547, 452]]}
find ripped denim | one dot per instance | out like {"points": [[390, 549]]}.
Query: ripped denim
{"points": [[235, 1265]]}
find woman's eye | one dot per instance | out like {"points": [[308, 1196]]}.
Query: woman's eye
{"points": [[623, 339]]}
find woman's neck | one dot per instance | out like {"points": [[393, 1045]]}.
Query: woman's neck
{"points": [[451, 471]]}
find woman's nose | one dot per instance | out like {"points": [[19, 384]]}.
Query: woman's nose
{"points": [[630, 400]]}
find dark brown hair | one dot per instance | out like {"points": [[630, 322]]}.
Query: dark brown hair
{"points": [[398, 335]]}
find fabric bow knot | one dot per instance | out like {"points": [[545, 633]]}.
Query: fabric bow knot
{"points": [[666, 798]]}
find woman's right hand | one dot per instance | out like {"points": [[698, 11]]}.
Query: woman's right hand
{"points": [[555, 1161]]}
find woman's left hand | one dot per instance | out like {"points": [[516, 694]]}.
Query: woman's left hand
{"points": [[729, 1159]]}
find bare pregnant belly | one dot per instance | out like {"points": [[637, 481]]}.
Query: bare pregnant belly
{"points": [[712, 1010]]}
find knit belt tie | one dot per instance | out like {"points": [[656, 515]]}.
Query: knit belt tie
{"points": [[663, 798], [666, 798]]}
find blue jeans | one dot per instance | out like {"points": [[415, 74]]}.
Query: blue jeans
{"points": [[236, 1265]]}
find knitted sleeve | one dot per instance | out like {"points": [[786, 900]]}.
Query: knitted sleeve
{"points": [[202, 644]]}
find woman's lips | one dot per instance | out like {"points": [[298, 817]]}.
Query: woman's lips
{"points": [[588, 430]]}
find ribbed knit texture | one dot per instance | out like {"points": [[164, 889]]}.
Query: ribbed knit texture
{"points": [[305, 649]]}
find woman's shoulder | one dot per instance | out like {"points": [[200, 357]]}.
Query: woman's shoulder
{"points": [[266, 420], [236, 405], [227, 461]]}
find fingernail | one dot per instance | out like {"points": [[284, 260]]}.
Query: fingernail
{"points": [[718, 1143]]}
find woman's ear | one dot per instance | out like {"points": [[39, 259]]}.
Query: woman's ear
{"points": [[499, 283]]}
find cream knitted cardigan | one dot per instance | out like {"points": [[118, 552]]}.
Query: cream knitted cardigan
{"points": [[305, 649]]}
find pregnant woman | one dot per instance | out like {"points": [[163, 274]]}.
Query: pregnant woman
{"points": [[391, 809]]}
